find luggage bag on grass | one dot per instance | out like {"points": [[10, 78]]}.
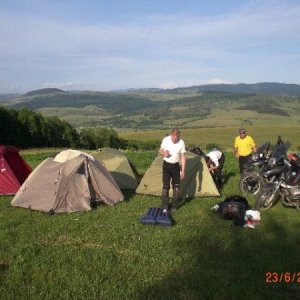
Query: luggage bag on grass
{"points": [[155, 216], [233, 208]]}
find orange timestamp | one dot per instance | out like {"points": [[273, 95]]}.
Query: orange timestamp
{"points": [[284, 277]]}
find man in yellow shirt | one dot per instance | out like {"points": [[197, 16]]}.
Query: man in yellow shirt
{"points": [[244, 145]]}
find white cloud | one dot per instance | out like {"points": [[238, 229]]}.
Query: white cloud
{"points": [[34, 35], [217, 81], [166, 50]]}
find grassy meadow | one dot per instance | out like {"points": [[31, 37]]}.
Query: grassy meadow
{"points": [[222, 116], [224, 137], [107, 254]]}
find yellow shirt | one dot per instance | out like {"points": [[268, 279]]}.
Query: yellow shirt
{"points": [[244, 146]]}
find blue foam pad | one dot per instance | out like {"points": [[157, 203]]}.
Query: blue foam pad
{"points": [[163, 219], [155, 216], [150, 217]]}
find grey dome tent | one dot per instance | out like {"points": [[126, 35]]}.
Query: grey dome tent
{"points": [[197, 182], [69, 184]]}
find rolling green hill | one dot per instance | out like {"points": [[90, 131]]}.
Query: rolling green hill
{"points": [[192, 107], [44, 92]]}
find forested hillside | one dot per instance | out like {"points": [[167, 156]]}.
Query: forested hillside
{"points": [[27, 129]]}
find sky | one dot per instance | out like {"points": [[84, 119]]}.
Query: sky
{"points": [[120, 44]]}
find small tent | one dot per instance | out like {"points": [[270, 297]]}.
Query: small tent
{"points": [[13, 170], [121, 169], [197, 182], [68, 186]]}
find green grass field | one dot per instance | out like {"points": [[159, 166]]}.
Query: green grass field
{"points": [[107, 254], [224, 137]]}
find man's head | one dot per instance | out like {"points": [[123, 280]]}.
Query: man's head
{"points": [[175, 135], [242, 132], [208, 160]]}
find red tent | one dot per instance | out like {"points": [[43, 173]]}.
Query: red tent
{"points": [[13, 170]]}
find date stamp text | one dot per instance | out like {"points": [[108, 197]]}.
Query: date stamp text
{"points": [[282, 277]]}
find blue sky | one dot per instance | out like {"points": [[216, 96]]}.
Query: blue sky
{"points": [[114, 44]]}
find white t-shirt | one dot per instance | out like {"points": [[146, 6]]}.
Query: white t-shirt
{"points": [[215, 155], [174, 149]]}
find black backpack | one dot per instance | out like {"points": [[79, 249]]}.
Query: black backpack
{"points": [[233, 208]]}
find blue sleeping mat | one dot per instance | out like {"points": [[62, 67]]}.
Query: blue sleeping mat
{"points": [[155, 216]]}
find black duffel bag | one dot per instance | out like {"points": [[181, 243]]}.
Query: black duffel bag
{"points": [[233, 208]]}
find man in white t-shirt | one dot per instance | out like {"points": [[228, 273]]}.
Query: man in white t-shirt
{"points": [[173, 150], [214, 157], [215, 161]]}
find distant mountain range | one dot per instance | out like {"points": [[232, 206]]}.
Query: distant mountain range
{"points": [[4, 97], [266, 88], [202, 105]]}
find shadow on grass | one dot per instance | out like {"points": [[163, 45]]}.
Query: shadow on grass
{"points": [[128, 194], [224, 180], [185, 201], [232, 266], [4, 268], [227, 176]]}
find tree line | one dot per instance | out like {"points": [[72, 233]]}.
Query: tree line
{"points": [[28, 129]]}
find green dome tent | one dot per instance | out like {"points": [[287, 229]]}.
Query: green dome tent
{"points": [[121, 169], [197, 182]]}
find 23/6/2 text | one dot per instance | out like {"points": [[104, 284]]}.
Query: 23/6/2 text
{"points": [[284, 277]]}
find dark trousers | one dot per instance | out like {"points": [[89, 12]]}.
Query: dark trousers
{"points": [[171, 175], [217, 174], [219, 170], [243, 163]]}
